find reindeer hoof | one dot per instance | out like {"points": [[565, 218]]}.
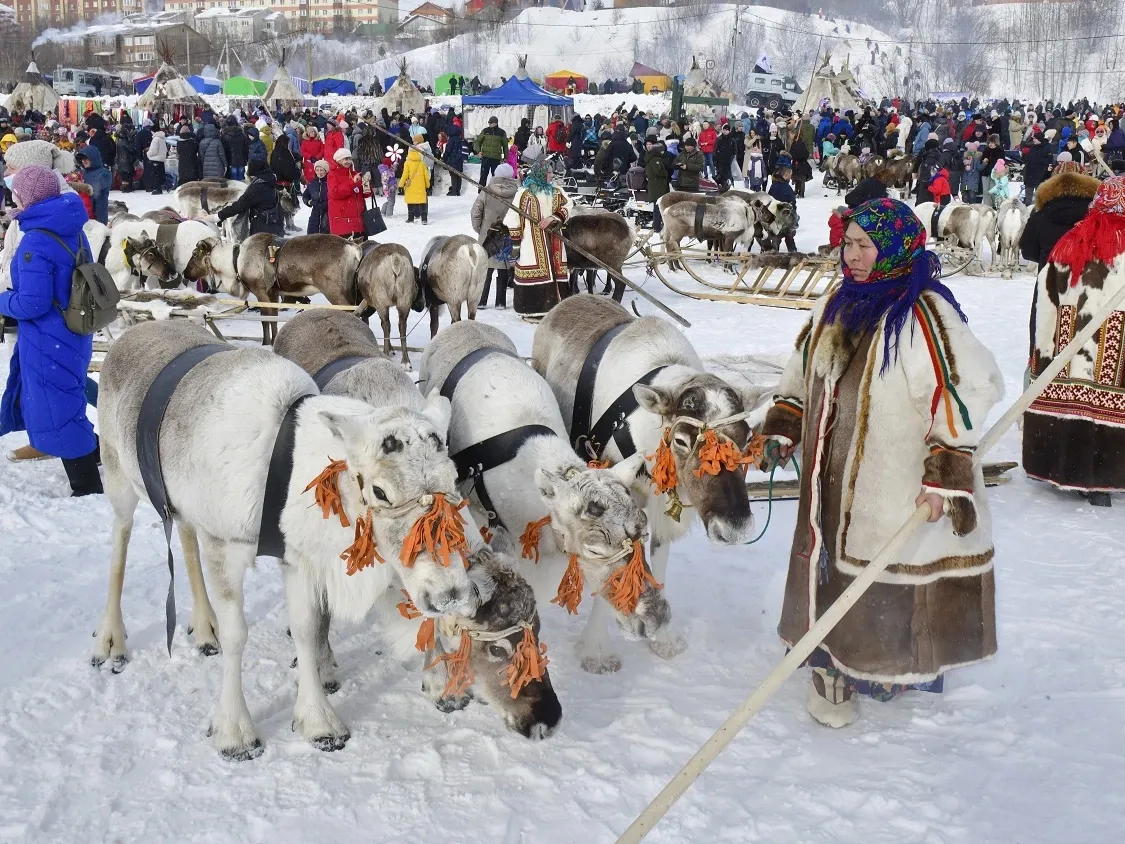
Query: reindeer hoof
{"points": [[330, 743], [601, 664], [331, 687], [243, 754], [207, 649]]}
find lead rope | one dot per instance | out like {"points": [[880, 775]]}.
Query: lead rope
{"points": [[772, 448]]}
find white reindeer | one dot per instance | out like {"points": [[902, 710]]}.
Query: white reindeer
{"points": [[1011, 220]]}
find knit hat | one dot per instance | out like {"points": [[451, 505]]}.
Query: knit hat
{"points": [[1001, 167], [504, 169], [42, 153], [34, 183], [342, 154], [1064, 156], [323, 165], [948, 142]]}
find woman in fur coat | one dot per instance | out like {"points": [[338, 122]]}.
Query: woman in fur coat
{"points": [[1074, 433], [541, 276], [885, 397]]}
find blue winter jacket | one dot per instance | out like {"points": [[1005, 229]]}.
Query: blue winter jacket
{"points": [[46, 390], [100, 181], [920, 138], [455, 148]]}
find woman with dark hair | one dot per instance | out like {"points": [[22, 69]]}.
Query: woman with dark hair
{"points": [[886, 397]]}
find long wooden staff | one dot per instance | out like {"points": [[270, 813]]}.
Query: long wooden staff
{"points": [[594, 259], [823, 626]]}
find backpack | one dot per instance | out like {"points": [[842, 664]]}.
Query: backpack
{"points": [[560, 134], [93, 294]]}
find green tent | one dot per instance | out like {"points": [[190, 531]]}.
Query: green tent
{"points": [[441, 84], [244, 86]]}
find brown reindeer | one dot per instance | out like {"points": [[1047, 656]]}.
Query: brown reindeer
{"points": [[604, 234], [386, 279]]}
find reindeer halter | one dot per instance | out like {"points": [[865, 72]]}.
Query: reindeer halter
{"points": [[717, 452]]}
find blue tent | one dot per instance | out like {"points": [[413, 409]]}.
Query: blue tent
{"points": [[205, 84], [390, 80], [518, 92], [141, 85], [328, 85]]}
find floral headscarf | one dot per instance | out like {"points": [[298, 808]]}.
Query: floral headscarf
{"points": [[902, 272], [1100, 235], [538, 178]]}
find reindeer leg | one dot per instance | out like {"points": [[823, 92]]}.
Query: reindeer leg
{"points": [[402, 315], [594, 652], [385, 323], [110, 633], [667, 642], [454, 311], [471, 307], [203, 624], [433, 321], [231, 725]]}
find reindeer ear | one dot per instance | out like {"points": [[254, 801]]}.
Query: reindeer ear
{"points": [[349, 427], [653, 399], [481, 576], [629, 471], [438, 410]]}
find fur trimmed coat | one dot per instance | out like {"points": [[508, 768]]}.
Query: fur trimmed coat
{"points": [[868, 443], [1074, 433]]}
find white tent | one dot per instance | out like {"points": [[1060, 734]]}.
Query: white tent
{"points": [[282, 91], [168, 91], [33, 93], [828, 86], [403, 97]]}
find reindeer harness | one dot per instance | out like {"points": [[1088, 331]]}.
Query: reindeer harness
{"points": [[591, 437], [474, 460], [154, 406], [330, 370]]}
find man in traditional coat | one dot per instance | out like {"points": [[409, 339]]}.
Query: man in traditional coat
{"points": [[541, 277], [885, 397], [1074, 433]]}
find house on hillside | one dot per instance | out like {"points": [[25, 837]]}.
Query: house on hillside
{"points": [[240, 24], [131, 45], [425, 23], [511, 8]]}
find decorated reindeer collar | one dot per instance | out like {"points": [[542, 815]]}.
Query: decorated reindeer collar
{"points": [[717, 452]]}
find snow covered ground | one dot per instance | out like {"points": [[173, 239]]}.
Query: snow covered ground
{"points": [[1027, 748]]}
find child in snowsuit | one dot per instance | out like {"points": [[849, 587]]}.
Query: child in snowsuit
{"points": [[415, 185], [390, 186], [970, 178], [999, 190]]}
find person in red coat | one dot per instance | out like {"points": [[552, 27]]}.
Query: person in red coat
{"points": [[346, 192], [333, 141], [312, 151], [557, 134], [942, 194], [707, 140]]}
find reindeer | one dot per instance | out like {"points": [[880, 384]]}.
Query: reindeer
{"points": [[1010, 222], [725, 221], [604, 234], [676, 408], [205, 197], [592, 513], [386, 279], [960, 225], [175, 244], [216, 445], [847, 171], [272, 268], [452, 271]]}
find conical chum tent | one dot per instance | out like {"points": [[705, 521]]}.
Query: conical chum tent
{"points": [[282, 92], [33, 92], [403, 96], [169, 92], [828, 88], [561, 79]]}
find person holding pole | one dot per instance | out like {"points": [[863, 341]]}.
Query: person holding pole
{"points": [[885, 396]]}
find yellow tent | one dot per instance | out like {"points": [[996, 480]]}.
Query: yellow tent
{"points": [[651, 78]]}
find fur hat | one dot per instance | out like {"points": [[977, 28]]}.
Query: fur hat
{"points": [[42, 153], [504, 169], [342, 154], [34, 183]]}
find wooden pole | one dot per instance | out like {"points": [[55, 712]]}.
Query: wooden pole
{"points": [[569, 243], [823, 626]]}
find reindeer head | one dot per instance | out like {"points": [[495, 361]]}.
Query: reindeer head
{"points": [[398, 468], [146, 259], [688, 410], [596, 520], [500, 637], [199, 264]]}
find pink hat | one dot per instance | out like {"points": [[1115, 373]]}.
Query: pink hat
{"points": [[35, 183]]}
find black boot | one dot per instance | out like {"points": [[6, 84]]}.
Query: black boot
{"points": [[487, 286], [502, 277], [1099, 499], [83, 475]]}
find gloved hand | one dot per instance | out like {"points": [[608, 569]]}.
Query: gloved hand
{"points": [[777, 452]]}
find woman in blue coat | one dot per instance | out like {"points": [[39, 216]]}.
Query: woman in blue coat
{"points": [[46, 390]]}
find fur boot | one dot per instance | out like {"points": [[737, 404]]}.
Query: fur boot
{"points": [[830, 702]]}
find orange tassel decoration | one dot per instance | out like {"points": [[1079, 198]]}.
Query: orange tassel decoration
{"points": [[664, 469], [440, 533], [755, 451], [716, 455], [485, 533], [625, 586], [362, 552], [460, 667], [327, 491], [425, 640], [570, 587], [529, 539], [527, 664]]}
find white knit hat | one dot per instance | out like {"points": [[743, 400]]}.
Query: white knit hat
{"points": [[341, 154], [43, 153]]}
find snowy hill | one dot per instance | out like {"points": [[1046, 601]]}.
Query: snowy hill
{"points": [[604, 44]]}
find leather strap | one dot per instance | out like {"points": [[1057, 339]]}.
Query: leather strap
{"points": [[203, 200], [234, 260], [613, 423], [330, 370], [581, 416], [270, 541], [700, 211], [103, 253], [149, 423], [474, 461], [465, 364]]}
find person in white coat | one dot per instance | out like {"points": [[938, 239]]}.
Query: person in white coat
{"points": [[541, 275], [158, 157]]}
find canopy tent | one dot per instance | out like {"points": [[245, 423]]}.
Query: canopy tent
{"points": [[140, 84], [330, 85], [560, 79], [33, 92], [169, 93], [244, 86], [206, 84], [403, 95], [651, 78], [829, 88], [282, 92], [441, 84], [513, 101]]}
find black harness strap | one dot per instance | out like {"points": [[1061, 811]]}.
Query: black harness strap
{"points": [[700, 211], [270, 541], [474, 461], [465, 364], [149, 423], [203, 200], [581, 416], [613, 423], [330, 370], [103, 253], [432, 299]]}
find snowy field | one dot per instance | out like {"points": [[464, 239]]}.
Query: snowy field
{"points": [[1027, 748]]}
